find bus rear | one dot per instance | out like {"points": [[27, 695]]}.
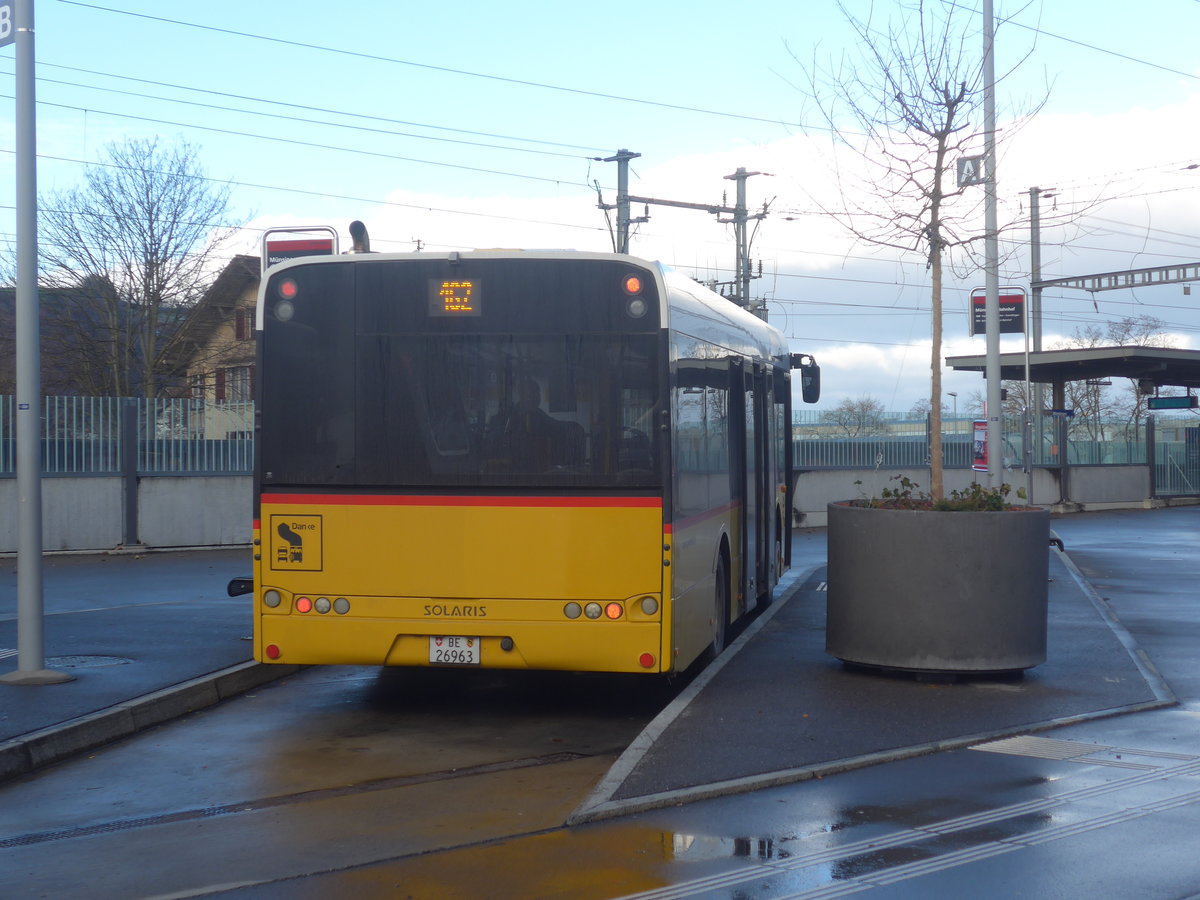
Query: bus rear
{"points": [[460, 463]]}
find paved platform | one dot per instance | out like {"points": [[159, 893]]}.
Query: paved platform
{"points": [[776, 708]]}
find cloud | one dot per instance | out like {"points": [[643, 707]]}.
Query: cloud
{"points": [[864, 310]]}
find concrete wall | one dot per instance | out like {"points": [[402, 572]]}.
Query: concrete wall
{"points": [[1099, 485], [87, 513], [1090, 487], [77, 513], [195, 511]]}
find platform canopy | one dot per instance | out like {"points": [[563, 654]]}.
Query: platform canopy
{"points": [[1155, 366]]}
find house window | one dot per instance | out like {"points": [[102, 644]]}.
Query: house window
{"points": [[198, 385], [237, 384], [243, 325]]}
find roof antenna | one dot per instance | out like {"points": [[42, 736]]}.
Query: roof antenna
{"points": [[362, 240]]}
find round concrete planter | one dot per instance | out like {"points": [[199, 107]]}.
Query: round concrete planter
{"points": [[944, 592]]}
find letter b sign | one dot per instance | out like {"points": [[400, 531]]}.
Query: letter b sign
{"points": [[7, 31]]}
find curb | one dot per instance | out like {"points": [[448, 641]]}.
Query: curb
{"points": [[29, 752], [599, 803]]}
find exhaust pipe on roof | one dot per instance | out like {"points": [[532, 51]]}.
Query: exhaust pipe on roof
{"points": [[362, 240]]}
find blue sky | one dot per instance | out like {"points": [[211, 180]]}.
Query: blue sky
{"points": [[478, 124]]}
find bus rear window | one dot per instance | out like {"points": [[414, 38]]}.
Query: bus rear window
{"points": [[403, 374], [507, 410]]}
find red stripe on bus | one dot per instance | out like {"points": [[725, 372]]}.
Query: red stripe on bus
{"points": [[453, 500]]}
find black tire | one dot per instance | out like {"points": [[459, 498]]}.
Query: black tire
{"points": [[721, 607]]}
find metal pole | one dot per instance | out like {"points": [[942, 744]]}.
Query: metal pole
{"points": [[1035, 308], [622, 159], [129, 469], [31, 659], [1152, 456], [1035, 266], [739, 231], [741, 235], [623, 202], [992, 254]]}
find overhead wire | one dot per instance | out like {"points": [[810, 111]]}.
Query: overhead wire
{"points": [[430, 67], [248, 35], [437, 68], [309, 144], [340, 111], [288, 118]]}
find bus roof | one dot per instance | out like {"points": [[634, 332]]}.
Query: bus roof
{"points": [[690, 306]]}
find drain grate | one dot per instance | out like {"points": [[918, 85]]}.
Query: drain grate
{"points": [[85, 662], [1080, 752], [1040, 748]]}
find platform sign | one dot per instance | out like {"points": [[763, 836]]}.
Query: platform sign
{"points": [[971, 171], [1012, 311], [8, 30], [278, 251], [1184, 402]]}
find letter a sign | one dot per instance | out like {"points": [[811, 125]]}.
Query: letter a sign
{"points": [[970, 171]]}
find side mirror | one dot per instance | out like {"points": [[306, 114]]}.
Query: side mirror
{"points": [[239, 586], [810, 376]]}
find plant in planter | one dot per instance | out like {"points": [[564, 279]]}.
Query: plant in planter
{"points": [[957, 585], [975, 498]]}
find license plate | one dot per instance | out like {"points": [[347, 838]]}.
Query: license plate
{"points": [[454, 650]]}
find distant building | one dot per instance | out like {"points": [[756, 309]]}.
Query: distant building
{"points": [[218, 352]]}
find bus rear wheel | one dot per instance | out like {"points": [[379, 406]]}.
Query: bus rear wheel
{"points": [[720, 607]]}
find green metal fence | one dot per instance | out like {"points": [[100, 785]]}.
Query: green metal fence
{"points": [[894, 441], [106, 435], [115, 435], [1177, 456]]}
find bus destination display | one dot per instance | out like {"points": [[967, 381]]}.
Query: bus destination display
{"points": [[455, 297]]}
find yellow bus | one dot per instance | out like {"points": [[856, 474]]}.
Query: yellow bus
{"points": [[513, 459]]}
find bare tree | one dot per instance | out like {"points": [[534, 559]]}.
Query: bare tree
{"points": [[130, 251], [857, 418], [921, 409], [1093, 404], [909, 106]]}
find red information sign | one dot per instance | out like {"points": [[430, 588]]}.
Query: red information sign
{"points": [[1012, 311], [278, 251], [979, 455]]}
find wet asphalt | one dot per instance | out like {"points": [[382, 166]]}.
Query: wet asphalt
{"points": [[1081, 779], [781, 772]]}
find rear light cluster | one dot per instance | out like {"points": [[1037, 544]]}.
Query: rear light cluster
{"points": [[612, 610], [321, 605]]}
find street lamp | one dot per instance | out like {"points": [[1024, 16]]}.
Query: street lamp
{"points": [[954, 394]]}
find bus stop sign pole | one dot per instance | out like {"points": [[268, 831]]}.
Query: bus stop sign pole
{"points": [[16, 26]]}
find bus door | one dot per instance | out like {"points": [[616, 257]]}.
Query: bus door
{"points": [[749, 467], [736, 418], [750, 495], [759, 509], [784, 464]]}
